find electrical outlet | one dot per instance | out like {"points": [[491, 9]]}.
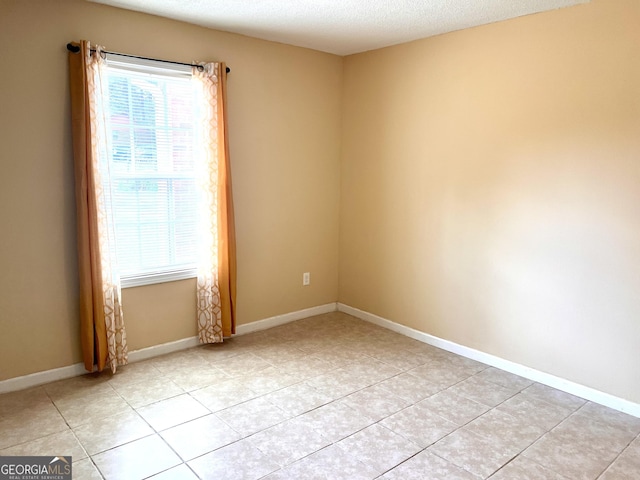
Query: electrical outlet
{"points": [[306, 278]]}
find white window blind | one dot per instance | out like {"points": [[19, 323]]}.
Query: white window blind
{"points": [[151, 116]]}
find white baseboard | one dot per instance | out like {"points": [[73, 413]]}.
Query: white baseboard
{"points": [[47, 376], [163, 349], [588, 393], [558, 383], [38, 378], [285, 318]]}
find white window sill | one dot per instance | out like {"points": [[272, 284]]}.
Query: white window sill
{"points": [[158, 277]]}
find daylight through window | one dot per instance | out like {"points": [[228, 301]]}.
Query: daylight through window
{"points": [[151, 135]]}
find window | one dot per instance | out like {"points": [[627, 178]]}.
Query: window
{"points": [[153, 192]]}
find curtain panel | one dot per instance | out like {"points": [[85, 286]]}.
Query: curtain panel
{"points": [[216, 282], [102, 332], [102, 329]]}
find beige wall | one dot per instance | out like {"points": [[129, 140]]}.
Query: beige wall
{"points": [[491, 190], [490, 185], [284, 116]]}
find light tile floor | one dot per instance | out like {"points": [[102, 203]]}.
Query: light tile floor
{"points": [[328, 397]]}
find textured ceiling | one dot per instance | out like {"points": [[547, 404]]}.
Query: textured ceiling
{"points": [[342, 27]]}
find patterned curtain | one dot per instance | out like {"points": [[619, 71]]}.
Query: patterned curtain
{"points": [[216, 292], [102, 329]]}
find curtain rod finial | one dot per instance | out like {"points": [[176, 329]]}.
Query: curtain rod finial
{"points": [[73, 48]]}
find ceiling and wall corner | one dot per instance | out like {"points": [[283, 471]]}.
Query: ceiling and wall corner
{"points": [[341, 27]]}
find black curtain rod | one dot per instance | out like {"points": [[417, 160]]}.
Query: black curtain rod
{"points": [[76, 49]]}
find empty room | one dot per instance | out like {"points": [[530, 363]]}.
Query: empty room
{"points": [[320, 240]]}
